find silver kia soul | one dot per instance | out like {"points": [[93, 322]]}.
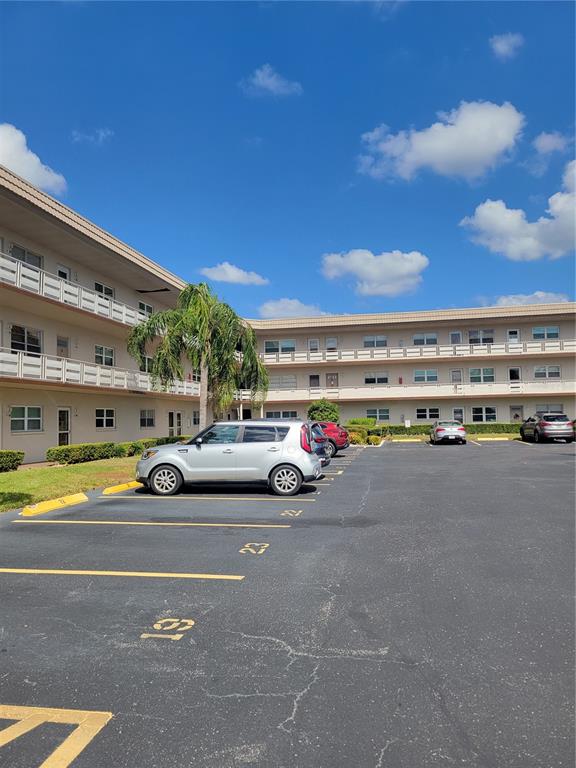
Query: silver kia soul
{"points": [[280, 453]]}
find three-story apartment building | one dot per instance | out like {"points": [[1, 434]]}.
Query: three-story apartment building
{"points": [[69, 295], [475, 365]]}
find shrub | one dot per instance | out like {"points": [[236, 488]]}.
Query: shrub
{"points": [[80, 452], [375, 431], [170, 440], [10, 460], [374, 440], [357, 429], [356, 439], [483, 427], [363, 420], [323, 410]]}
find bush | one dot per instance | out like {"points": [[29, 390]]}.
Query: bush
{"points": [[323, 410], [10, 460], [170, 440], [363, 420], [484, 427], [374, 440], [356, 439], [75, 454], [357, 429], [375, 431]]}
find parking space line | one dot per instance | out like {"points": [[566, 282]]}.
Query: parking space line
{"points": [[521, 442], [163, 525], [131, 574], [475, 442], [183, 499]]}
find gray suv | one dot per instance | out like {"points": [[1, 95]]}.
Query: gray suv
{"points": [[547, 426], [278, 453]]}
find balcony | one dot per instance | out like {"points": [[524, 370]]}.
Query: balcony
{"points": [[41, 283], [62, 370], [425, 352], [428, 392]]}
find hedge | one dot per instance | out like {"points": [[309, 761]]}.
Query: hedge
{"points": [[80, 452], [356, 439], [10, 460], [367, 422], [374, 440]]}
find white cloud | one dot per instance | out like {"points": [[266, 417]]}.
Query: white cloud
{"points": [[545, 143], [99, 136], [15, 155], [466, 142], [289, 308], [506, 46], [229, 273], [507, 231], [265, 81], [384, 274], [538, 297]]}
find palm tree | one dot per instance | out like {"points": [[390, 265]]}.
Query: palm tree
{"points": [[208, 334]]}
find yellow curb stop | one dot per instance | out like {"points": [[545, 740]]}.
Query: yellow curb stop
{"points": [[121, 487], [52, 504]]}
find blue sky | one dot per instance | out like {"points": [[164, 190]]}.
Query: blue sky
{"points": [[334, 157]]}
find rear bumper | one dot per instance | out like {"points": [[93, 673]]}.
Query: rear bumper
{"points": [[564, 434]]}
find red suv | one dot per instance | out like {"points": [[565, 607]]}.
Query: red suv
{"points": [[337, 437]]}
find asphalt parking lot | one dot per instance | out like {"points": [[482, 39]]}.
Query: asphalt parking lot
{"points": [[412, 609]]}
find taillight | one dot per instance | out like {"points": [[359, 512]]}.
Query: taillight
{"points": [[305, 439], [461, 429], [440, 429]]}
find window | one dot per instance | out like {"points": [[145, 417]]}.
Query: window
{"points": [[481, 337], [62, 346], [281, 414], [146, 365], [547, 372], [313, 345], [458, 414], [420, 339], [25, 340], [105, 418], [271, 347], [314, 380], [259, 435], [375, 341], [513, 334], [557, 408], [26, 418], [26, 256], [456, 376], [147, 418], [514, 374], [546, 332], [331, 343], [426, 376], [484, 413], [481, 375], [104, 290], [221, 433], [427, 413], [376, 378], [63, 272], [103, 355], [287, 345], [146, 309], [331, 380], [195, 418], [283, 382], [380, 414], [455, 337]]}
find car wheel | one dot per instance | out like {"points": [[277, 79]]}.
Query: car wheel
{"points": [[537, 438], [432, 441], [523, 436], [463, 442], [285, 481], [331, 449], [165, 480]]}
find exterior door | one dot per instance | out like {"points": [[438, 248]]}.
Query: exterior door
{"points": [[215, 457], [63, 426], [331, 380], [62, 346], [174, 423], [516, 413], [458, 415], [456, 376]]}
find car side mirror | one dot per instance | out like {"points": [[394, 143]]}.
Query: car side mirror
{"points": [[198, 441]]}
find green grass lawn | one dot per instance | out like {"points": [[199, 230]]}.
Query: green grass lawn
{"points": [[33, 485]]}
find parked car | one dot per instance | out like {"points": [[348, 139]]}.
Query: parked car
{"points": [[338, 437], [447, 431], [547, 426], [278, 453], [320, 443]]}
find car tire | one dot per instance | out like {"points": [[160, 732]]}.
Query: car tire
{"points": [[432, 441], [165, 480], [330, 449], [463, 442], [285, 480], [523, 436], [537, 437]]}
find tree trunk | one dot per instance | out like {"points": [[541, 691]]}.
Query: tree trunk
{"points": [[203, 397]]}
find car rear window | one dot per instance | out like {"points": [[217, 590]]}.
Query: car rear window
{"points": [[282, 432], [449, 424], [554, 417]]}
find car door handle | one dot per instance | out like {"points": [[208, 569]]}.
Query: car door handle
{"points": [[228, 450], [273, 450]]}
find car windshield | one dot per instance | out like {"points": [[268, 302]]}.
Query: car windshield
{"points": [[554, 417]]}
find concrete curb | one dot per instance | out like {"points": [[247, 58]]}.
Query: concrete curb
{"points": [[52, 504]]}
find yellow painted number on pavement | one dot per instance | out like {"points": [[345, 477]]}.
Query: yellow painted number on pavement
{"points": [[88, 724], [254, 549], [169, 625], [291, 513]]}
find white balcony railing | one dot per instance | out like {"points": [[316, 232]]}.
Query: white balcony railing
{"points": [[383, 354], [34, 280], [62, 370], [427, 392]]}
